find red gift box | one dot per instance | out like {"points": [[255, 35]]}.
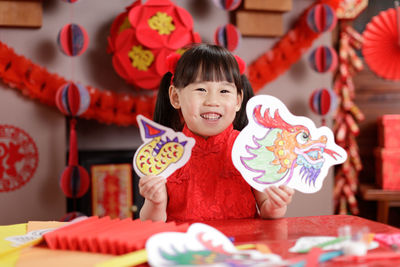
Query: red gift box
{"points": [[388, 131], [388, 168]]}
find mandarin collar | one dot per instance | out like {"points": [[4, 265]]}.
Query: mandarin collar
{"points": [[212, 143]]}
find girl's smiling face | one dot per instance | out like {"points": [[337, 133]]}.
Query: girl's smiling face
{"points": [[208, 107]]}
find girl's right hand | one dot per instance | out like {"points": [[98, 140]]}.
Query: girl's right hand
{"points": [[153, 189]]}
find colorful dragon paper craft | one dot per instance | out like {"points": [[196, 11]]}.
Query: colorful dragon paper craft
{"points": [[286, 146], [203, 245], [161, 150], [211, 254], [272, 151]]}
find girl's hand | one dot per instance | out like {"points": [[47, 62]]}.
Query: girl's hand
{"points": [[273, 202], [279, 197], [153, 189]]}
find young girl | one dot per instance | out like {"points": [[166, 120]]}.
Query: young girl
{"points": [[205, 96]]}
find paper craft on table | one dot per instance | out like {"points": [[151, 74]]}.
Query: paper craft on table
{"points": [[163, 151], [278, 148], [307, 242], [202, 245]]}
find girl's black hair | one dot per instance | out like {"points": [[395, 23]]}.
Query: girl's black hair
{"points": [[209, 63]]}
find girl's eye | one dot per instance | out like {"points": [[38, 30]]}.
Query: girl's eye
{"points": [[201, 89], [224, 91]]}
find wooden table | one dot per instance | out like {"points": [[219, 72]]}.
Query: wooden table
{"points": [[279, 235], [385, 199]]}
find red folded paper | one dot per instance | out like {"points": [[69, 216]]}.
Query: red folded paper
{"points": [[108, 236]]}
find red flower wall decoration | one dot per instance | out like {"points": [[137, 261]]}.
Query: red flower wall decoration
{"points": [[143, 36]]}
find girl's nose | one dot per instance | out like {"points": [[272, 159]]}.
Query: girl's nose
{"points": [[211, 99]]}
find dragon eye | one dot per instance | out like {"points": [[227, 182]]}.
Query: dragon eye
{"points": [[302, 138]]}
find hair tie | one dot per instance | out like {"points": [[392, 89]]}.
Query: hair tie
{"points": [[241, 63], [172, 61]]}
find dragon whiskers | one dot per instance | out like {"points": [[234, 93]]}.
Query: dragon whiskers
{"points": [[310, 174]]}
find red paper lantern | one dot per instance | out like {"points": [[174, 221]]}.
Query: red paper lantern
{"points": [[72, 40], [323, 59], [74, 181], [228, 36], [321, 18], [322, 101], [228, 4], [72, 99]]}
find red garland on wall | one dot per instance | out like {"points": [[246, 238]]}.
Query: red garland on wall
{"points": [[109, 107], [286, 51]]}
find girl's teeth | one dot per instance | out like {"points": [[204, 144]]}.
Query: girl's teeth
{"points": [[211, 116]]}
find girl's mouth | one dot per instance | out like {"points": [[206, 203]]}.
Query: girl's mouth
{"points": [[211, 116]]}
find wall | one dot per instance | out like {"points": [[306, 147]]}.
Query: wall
{"points": [[94, 68]]}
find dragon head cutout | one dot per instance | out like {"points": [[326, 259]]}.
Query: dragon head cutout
{"points": [[278, 148]]}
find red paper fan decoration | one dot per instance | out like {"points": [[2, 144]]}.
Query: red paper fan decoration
{"points": [[70, 1], [321, 18], [381, 48], [323, 59], [228, 36], [72, 40]]}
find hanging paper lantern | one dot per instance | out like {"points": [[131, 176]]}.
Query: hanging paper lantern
{"points": [[228, 36], [323, 59], [322, 101], [72, 40], [228, 4], [74, 181], [321, 18], [72, 99]]}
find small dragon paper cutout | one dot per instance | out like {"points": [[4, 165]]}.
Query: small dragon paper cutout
{"points": [[203, 245], [163, 151], [278, 148]]}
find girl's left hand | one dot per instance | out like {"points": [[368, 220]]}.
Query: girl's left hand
{"points": [[279, 197]]}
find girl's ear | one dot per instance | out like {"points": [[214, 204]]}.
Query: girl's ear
{"points": [[239, 101], [174, 97]]}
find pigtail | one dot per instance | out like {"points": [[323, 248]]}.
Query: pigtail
{"points": [[165, 114], [241, 117]]}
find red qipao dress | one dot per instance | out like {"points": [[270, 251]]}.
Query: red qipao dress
{"points": [[208, 186]]}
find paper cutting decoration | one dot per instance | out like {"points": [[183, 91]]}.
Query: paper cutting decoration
{"points": [[112, 190], [144, 35], [163, 151], [202, 245], [278, 148], [19, 158]]}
